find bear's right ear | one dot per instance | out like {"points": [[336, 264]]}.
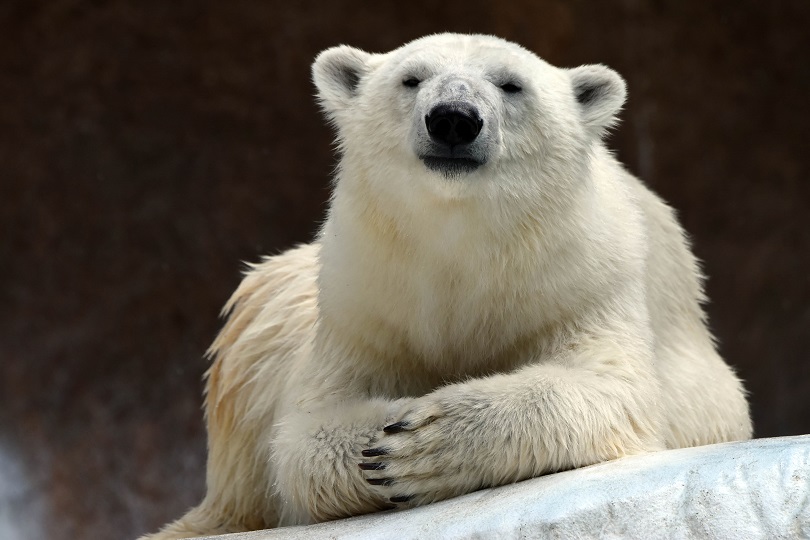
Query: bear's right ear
{"points": [[337, 73]]}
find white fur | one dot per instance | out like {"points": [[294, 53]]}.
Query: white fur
{"points": [[539, 313]]}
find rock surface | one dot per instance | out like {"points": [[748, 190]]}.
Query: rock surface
{"points": [[754, 489]]}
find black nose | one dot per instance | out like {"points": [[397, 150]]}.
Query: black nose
{"points": [[454, 124]]}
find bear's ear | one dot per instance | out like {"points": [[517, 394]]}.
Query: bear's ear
{"points": [[337, 73], [600, 93]]}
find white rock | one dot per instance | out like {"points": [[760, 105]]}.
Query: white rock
{"points": [[748, 490]]}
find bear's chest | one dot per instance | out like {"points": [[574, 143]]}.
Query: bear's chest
{"points": [[463, 318]]}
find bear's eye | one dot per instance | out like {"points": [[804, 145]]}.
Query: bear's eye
{"points": [[411, 82], [511, 88]]}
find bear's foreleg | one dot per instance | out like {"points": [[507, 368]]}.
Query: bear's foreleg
{"points": [[315, 455], [563, 413]]}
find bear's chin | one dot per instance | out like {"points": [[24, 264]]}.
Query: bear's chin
{"points": [[451, 167]]}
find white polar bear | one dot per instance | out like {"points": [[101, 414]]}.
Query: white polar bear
{"points": [[491, 298]]}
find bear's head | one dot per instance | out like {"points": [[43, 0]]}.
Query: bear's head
{"points": [[462, 113]]}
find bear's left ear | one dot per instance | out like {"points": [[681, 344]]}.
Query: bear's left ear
{"points": [[337, 73], [600, 93]]}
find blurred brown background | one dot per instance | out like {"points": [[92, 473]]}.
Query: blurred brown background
{"points": [[147, 147]]}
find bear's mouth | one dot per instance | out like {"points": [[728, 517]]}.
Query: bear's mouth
{"points": [[451, 166]]}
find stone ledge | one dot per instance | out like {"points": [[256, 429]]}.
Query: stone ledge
{"points": [[753, 489]]}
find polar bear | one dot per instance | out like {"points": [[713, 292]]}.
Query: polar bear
{"points": [[492, 297]]}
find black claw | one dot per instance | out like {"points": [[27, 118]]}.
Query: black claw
{"points": [[374, 452], [397, 427], [401, 498], [371, 466], [380, 481]]}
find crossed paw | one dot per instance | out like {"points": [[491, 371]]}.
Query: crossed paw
{"points": [[432, 452]]}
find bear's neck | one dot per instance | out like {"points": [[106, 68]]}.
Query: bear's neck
{"points": [[446, 278]]}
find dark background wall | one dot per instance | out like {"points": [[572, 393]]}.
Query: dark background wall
{"points": [[147, 147]]}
